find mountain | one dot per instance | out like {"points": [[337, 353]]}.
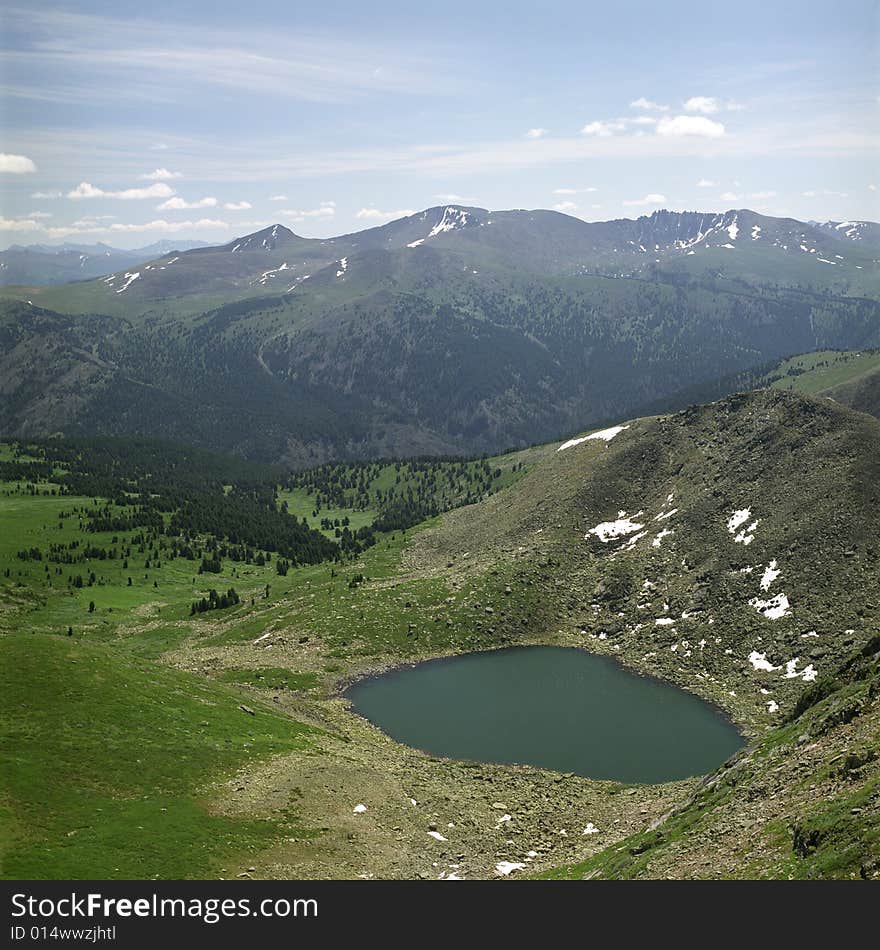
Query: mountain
{"points": [[677, 545], [40, 264], [730, 549], [452, 330]]}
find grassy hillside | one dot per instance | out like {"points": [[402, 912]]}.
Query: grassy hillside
{"points": [[823, 371], [800, 803], [106, 762], [750, 625]]}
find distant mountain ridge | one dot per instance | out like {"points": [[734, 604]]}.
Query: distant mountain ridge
{"points": [[452, 330], [62, 263]]}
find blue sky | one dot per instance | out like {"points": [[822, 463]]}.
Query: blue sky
{"points": [[129, 123]]}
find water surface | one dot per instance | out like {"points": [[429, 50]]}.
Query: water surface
{"points": [[554, 707]]}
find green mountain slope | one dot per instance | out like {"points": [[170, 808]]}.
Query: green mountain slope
{"points": [[800, 803], [477, 336], [675, 544]]}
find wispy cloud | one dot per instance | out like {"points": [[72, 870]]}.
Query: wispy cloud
{"points": [[651, 199], [161, 174], [824, 193], [536, 133], [178, 204], [237, 205], [648, 105], [45, 195], [706, 183], [574, 191], [16, 164], [566, 207], [311, 66], [279, 198], [604, 128], [374, 214], [707, 105], [690, 125], [86, 190], [20, 224], [327, 209]]}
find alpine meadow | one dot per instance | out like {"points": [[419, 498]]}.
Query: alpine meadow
{"points": [[400, 480]]}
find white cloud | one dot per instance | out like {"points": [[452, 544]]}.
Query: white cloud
{"points": [[643, 120], [682, 125], [86, 190], [762, 194], [326, 210], [705, 183], [20, 224], [872, 187], [451, 198], [707, 105], [574, 191], [566, 207], [728, 196], [46, 194], [35, 215], [651, 199], [16, 164], [161, 174], [374, 214], [178, 204], [159, 226], [536, 133], [603, 129], [237, 205], [172, 226], [278, 198], [647, 104], [824, 193]]}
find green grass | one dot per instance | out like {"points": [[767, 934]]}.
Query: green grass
{"points": [[270, 677], [813, 373], [105, 761]]}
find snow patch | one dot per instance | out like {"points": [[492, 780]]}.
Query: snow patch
{"points": [[808, 674], [504, 868], [605, 434], [359, 809], [610, 530], [453, 218], [759, 661], [128, 281], [774, 608], [738, 518], [771, 572], [663, 534]]}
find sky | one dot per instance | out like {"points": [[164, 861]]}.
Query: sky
{"points": [[129, 122]]}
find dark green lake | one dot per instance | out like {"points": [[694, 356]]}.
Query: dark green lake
{"points": [[554, 707]]}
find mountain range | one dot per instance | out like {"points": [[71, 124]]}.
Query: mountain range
{"points": [[452, 330], [62, 263]]}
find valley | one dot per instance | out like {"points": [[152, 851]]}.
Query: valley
{"points": [[452, 331], [671, 543]]}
